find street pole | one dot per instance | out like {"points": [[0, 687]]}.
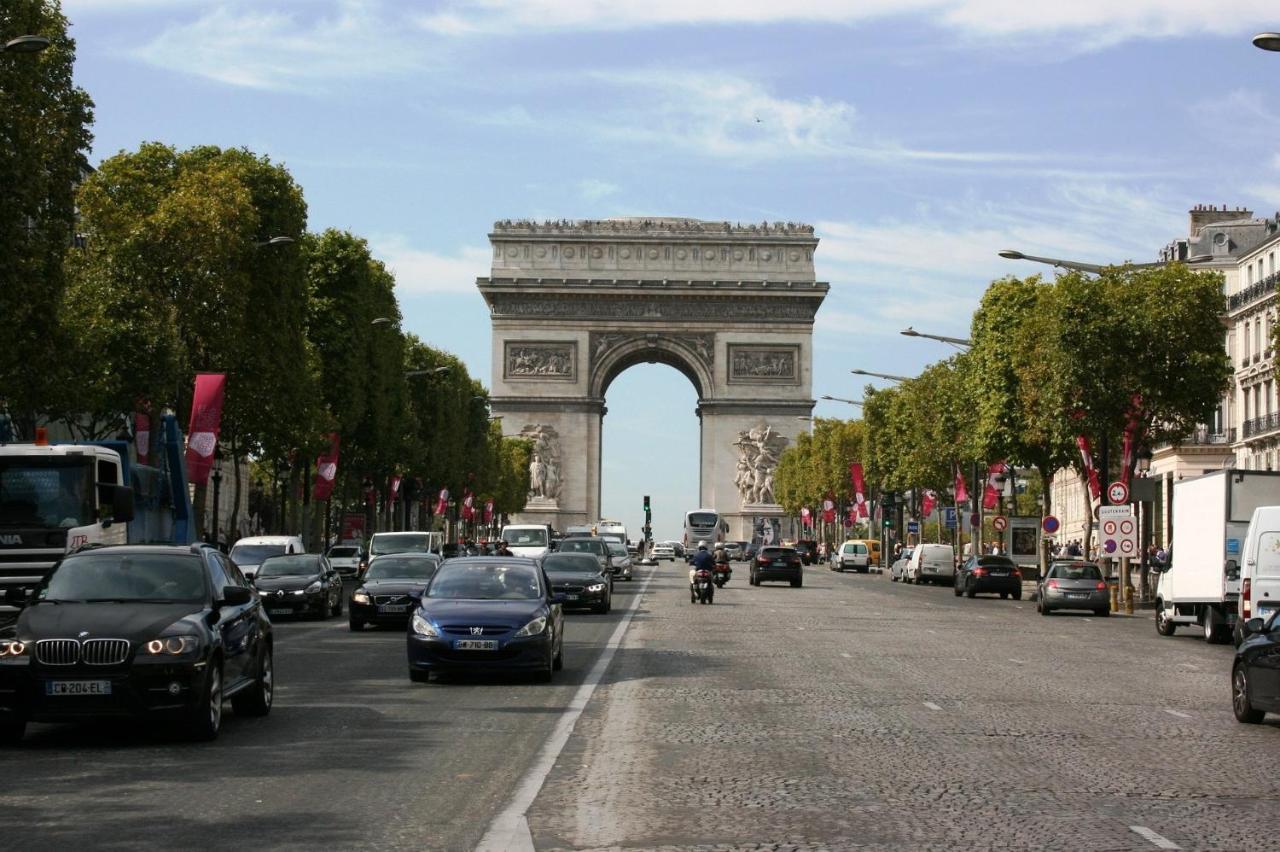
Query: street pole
{"points": [[217, 489]]}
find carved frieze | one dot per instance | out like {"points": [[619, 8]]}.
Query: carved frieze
{"points": [[540, 360], [703, 346], [655, 225], [751, 364], [653, 308]]}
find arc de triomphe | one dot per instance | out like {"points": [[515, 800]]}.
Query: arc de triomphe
{"points": [[575, 303]]}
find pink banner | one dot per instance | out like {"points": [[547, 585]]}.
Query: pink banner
{"points": [[806, 517], [991, 493], [326, 470], [926, 508], [859, 484], [142, 436], [1091, 472], [442, 501], [829, 508], [962, 488], [206, 424], [468, 506]]}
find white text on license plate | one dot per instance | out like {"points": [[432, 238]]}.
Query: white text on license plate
{"points": [[571, 597], [394, 608], [475, 644], [279, 612], [78, 687]]}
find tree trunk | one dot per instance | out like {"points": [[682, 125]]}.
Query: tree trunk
{"points": [[233, 522]]}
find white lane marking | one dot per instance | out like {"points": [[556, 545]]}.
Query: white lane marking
{"points": [[509, 830], [1189, 666], [1157, 840], [931, 631], [1019, 662], [1177, 713], [799, 628], [1086, 620], [847, 656], [932, 706]]}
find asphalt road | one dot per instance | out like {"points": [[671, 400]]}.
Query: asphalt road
{"points": [[853, 712]]}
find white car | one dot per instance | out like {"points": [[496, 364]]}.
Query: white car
{"points": [[898, 571], [662, 550], [852, 554], [250, 552], [345, 559], [932, 563]]}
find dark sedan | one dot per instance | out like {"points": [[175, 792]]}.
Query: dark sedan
{"points": [[577, 576], [299, 584], [164, 633], [487, 614], [1073, 585], [777, 563], [1255, 675], [989, 575], [391, 589]]}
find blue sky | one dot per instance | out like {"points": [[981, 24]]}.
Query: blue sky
{"points": [[918, 136]]}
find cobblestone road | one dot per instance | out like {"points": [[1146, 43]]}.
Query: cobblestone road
{"points": [[858, 713]]}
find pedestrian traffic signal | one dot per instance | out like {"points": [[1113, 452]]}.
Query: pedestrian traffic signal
{"points": [[888, 523], [646, 502]]}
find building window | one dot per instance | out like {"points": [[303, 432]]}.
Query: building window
{"points": [[1271, 264], [1245, 341], [1248, 268]]}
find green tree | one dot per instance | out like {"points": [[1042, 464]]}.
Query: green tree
{"points": [[44, 139]]}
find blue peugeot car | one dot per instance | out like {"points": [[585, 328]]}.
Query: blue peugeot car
{"points": [[487, 614]]}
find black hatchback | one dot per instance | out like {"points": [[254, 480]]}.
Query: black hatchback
{"points": [[989, 574], [155, 632], [777, 563], [1255, 675]]}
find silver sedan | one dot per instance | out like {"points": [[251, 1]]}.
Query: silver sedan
{"points": [[1073, 585]]}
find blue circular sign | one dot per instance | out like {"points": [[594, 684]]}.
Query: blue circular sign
{"points": [[1050, 524]]}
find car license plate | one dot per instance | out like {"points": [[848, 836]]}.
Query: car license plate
{"points": [[78, 687], [393, 608], [571, 597], [1077, 595], [475, 644], [279, 612]]}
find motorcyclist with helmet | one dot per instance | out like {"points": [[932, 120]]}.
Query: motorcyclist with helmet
{"points": [[722, 571], [702, 561]]}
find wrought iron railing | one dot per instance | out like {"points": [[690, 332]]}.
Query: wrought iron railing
{"points": [[1258, 425], [1253, 292]]}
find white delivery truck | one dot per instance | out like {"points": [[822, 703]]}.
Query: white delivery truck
{"points": [[1211, 514]]}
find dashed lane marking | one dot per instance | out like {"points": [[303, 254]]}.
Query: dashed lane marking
{"points": [[1177, 713], [847, 656], [1156, 840], [1019, 662], [932, 706], [509, 831]]}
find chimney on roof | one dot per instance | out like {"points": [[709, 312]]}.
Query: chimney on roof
{"points": [[1203, 214]]}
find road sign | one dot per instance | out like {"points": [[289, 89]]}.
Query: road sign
{"points": [[949, 517], [1050, 524], [1118, 493], [913, 526], [999, 523], [1118, 530]]}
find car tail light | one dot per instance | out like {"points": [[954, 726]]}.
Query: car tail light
{"points": [[1246, 598], [1052, 584], [1102, 587], [979, 572], [1017, 575]]}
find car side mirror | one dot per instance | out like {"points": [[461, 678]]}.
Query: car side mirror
{"points": [[1252, 626], [17, 597], [235, 596], [121, 504]]}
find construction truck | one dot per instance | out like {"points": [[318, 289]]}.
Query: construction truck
{"points": [[59, 497]]}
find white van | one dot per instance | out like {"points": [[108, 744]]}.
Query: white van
{"points": [[852, 554], [531, 540], [1260, 570], [248, 553], [932, 563], [410, 541]]}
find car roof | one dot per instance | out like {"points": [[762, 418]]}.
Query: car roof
{"points": [[167, 549], [267, 539], [492, 560]]}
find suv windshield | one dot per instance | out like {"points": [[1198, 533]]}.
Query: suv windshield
{"points": [[139, 577], [525, 538], [397, 567], [572, 563], [400, 543], [299, 565], [255, 554], [343, 552], [485, 583]]}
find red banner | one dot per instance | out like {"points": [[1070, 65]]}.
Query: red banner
{"points": [[142, 436], [442, 501], [1132, 434], [806, 517], [926, 508], [326, 470], [962, 488], [206, 424], [352, 526], [488, 511], [1091, 472], [829, 508], [991, 493], [859, 485], [468, 506]]}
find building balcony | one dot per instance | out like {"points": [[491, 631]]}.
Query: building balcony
{"points": [[1203, 436], [1261, 425], [1253, 293]]}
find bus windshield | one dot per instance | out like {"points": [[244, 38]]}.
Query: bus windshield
{"points": [[702, 519], [48, 492]]}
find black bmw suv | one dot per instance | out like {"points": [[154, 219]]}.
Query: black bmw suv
{"points": [[147, 631]]}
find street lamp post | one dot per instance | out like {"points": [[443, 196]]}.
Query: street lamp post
{"points": [[1267, 41], [890, 376], [954, 341], [1094, 268], [841, 399], [25, 44], [216, 476]]}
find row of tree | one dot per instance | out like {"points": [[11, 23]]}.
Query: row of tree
{"points": [[119, 284], [1136, 351]]}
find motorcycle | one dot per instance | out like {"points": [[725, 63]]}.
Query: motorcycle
{"points": [[722, 574], [701, 589]]}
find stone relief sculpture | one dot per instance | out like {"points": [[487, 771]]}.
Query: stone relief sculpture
{"points": [[544, 466], [760, 363], [540, 360], [702, 345], [758, 452]]}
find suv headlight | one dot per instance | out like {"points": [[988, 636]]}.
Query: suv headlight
{"points": [[533, 628], [596, 587], [11, 648], [174, 646], [314, 587], [360, 597], [422, 627]]}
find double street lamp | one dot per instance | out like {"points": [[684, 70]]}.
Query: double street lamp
{"points": [[890, 376], [25, 44]]}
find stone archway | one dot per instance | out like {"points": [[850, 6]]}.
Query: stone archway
{"points": [[574, 304]]}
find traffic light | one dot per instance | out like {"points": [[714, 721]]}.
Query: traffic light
{"points": [[646, 502], [887, 500], [888, 523]]}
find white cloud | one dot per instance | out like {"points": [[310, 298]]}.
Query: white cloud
{"points": [[1103, 21], [275, 50], [418, 271], [594, 189]]}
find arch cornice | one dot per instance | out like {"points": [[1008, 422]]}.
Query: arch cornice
{"points": [[613, 352]]}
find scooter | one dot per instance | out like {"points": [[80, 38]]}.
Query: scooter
{"points": [[701, 589], [722, 574]]}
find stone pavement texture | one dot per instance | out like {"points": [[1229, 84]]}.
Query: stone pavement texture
{"points": [[855, 713]]}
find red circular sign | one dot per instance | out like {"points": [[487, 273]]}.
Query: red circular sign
{"points": [[999, 523], [1118, 493]]}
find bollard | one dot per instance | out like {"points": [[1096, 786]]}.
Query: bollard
{"points": [[1128, 600]]}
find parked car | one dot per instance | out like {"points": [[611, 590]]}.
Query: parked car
{"points": [[302, 584], [808, 550], [931, 563], [663, 550], [852, 554], [487, 614], [777, 563], [391, 588], [153, 632], [898, 570], [578, 577], [620, 559], [250, 552], [1073, 584], [345, 559], [988, 574], [1255, 675]]}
